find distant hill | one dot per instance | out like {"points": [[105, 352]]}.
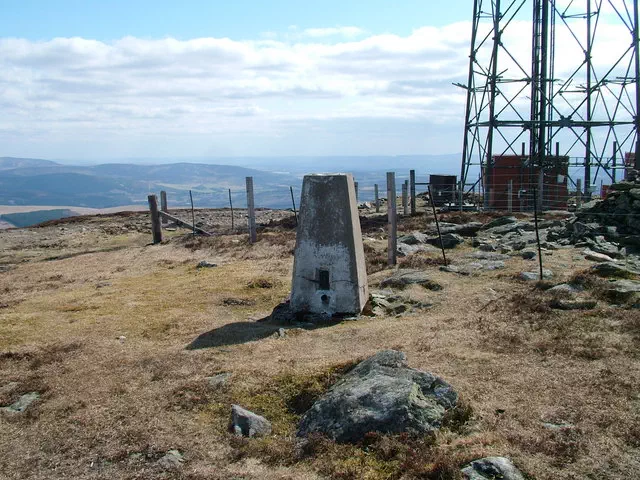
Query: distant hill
{"points": [[42, 182], [12, 162]]}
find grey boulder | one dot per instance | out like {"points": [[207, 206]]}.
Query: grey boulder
{"points": [[498, 222], [405, 277], [248, 424], [449, 240], [534, 276], [414, 238], [621, 291], [491, 468], [610, 269], [381, 394]]}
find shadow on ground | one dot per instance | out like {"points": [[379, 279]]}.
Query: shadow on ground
{"points": [[233, 334], [243, 332]]}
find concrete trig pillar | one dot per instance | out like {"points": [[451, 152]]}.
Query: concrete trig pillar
{"points": [[329, 272]]}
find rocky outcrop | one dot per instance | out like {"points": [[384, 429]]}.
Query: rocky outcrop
{"points": [[381, 394], [449, 240], [405, 277], [491, 468]]}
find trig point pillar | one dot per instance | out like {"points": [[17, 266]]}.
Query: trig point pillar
{"points": [[329, 273]]}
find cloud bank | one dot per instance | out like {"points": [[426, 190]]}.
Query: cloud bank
{"points": [[332, 91]]}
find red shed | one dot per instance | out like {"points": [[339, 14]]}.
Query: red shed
{"points": [[525, 178]]}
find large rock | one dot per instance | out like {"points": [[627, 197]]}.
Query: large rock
{"points": [[248, 424], [449, 240], [492, 468], [381, 394], [498, 222], [610, 269], [623, 291], [22, 403], [465, 229], [405, 249], [414, 238], [405, 277]]}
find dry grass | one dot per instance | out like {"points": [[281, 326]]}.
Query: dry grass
{"points": [[112, 406]]}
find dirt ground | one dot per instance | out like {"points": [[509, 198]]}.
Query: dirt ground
{"points": [[97, 321]]}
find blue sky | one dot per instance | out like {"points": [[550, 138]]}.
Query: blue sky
{"points": [[239, 19]]}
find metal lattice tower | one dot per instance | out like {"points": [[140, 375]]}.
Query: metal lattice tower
{"points": [[553, 77]]}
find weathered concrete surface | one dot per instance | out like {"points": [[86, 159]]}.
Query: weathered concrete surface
{"points": [[329, 244]]}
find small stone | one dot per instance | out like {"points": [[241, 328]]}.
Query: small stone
{"points": [[489, 256], [248, 424], [597, 257], [205, 264], [218, 380], [561, 304], [528, 255], [122, 338], [492, 468], [22, 403], [172, 460], [404, 277], [535, 276], [103, 284], [565, 288]]}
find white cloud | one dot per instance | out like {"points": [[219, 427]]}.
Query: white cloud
{"points": [[66, 90]]}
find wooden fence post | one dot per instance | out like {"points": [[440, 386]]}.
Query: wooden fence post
{"points": [[231, 205], [376, 197], [293, 202], [412, 190], [392, 219], [579, 193], [156, 226], [405, 193], [163, 205], [253, 236], [510, 196]]}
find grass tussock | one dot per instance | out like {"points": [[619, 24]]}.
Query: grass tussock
{"points": [[420, 261], [263, 282], [375, 260]]}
